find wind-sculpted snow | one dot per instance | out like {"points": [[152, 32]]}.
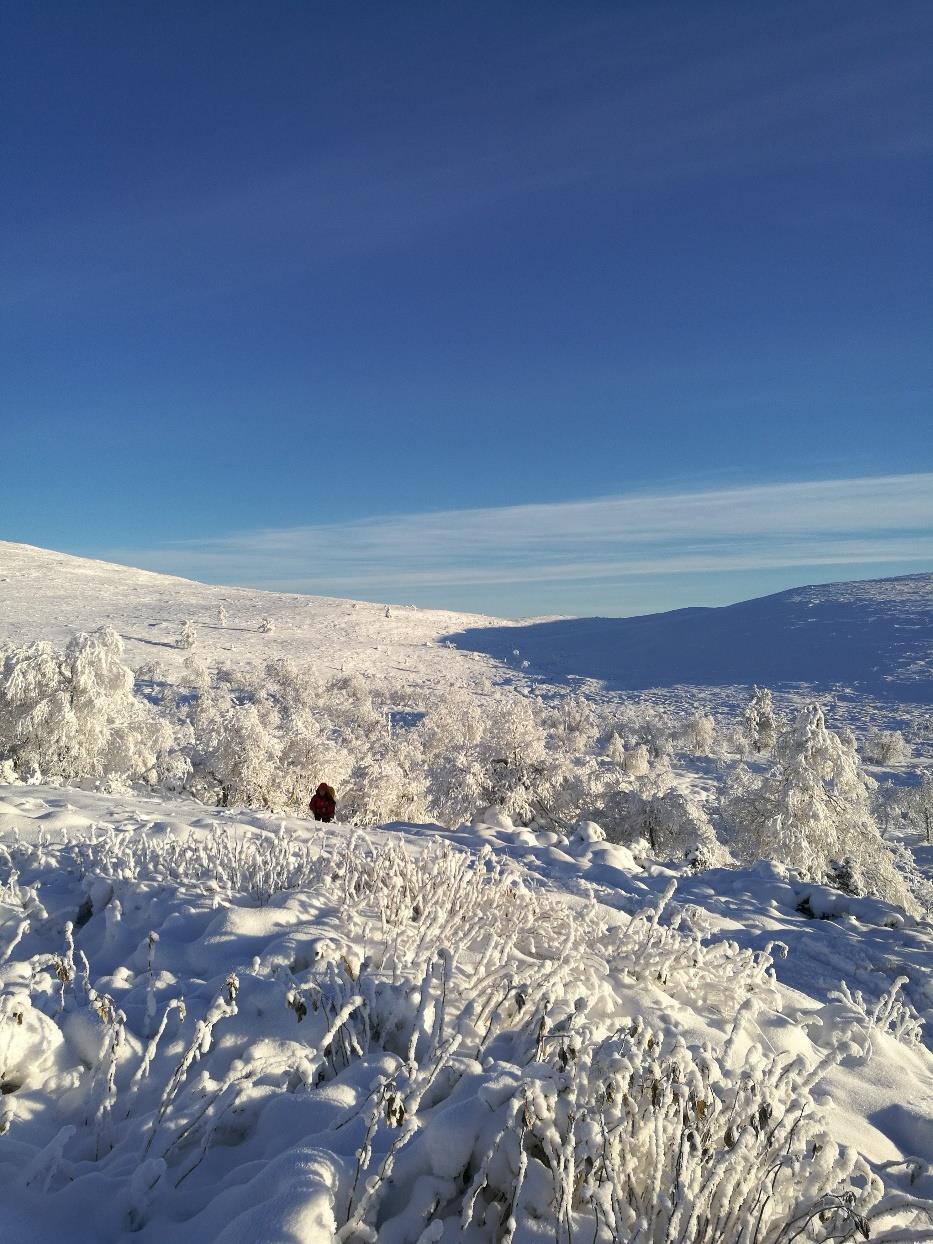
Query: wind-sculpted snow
{"points": [[877, 636], [225, 1026]]}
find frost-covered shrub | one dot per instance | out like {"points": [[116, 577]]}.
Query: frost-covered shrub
{"points": [[74, 715], [890, 1015], [574, 725], [699, 734], [678, 828], [615, 749], [235, 760], [636, 761], [885, 747], [812, 812], [421, 1044], [389, 785], [759, 721], [673, 824], [187, 636], [920, 808]]}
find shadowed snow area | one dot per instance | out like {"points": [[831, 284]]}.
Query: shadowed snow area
{"points": [[876, 635]]}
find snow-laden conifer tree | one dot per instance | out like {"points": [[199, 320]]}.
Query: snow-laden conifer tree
{"points": [[615, 749], [812, 811], [187, 636], [759, 720]]}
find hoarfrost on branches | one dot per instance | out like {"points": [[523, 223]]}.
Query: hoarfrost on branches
{"points": [[812, 811], [187, 636]]}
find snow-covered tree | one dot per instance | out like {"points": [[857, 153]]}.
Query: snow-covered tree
{"points": [[676, 827], [636, 761], [266, 625], [615, 749], [187, 636], [574, 724], [235, 760], [700, 734], [922, 808], [390, 785], [197, 673], [759, 720], [812, 811], [75, 715], [222, 618], [451, 737], [907, 808], [885, 747]]}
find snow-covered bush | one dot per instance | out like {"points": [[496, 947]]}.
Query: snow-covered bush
{"points": [[574, 725], [74, 715], [678, 828], [266, 626], [615, 749], [636, 761], [235, 759], [920, 808], [187, 636], [419, 1045], [890, 1015], [759, 721], [885, 747], [673, 824], [812, 812], [699, 734]]}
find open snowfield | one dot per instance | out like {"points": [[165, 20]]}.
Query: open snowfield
{"points": [[47, 595], [224, 1023]]}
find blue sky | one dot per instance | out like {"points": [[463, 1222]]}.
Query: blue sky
{"points": [[461, 304]]}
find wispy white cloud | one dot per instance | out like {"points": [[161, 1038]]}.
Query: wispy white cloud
{"points": [[878, 521]]}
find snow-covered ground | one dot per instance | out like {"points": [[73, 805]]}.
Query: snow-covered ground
{"points": [[47, 595], [219, 1024], [362, 1050]]}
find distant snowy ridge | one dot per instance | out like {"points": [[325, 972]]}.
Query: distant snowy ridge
{"points": [[875, 636]]}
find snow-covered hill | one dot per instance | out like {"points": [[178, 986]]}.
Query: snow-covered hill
{"points": [[48, 595], [874, 636]]}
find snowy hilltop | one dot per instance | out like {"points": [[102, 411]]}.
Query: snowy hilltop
{"points": [[572, 962]]}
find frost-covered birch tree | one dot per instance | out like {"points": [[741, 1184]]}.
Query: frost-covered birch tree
{"points": [[812, 811]]}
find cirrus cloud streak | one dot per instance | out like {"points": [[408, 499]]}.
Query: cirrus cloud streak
{"points": [[874, 521]]}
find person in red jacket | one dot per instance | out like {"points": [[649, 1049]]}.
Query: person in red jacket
{"points": [[323, 803]]}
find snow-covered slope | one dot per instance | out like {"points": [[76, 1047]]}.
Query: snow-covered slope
{"points": [[48, 595], [876, 636]]}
